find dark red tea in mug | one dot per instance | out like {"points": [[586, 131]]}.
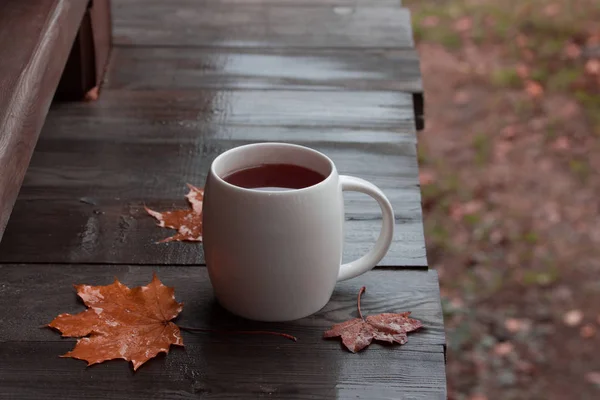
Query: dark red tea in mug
{"points": [[274, 177]]}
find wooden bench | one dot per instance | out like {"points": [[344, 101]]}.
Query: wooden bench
{"points": [[38, 38], [189, 79]]}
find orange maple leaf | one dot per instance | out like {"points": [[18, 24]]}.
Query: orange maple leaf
{"points": [[358, 333], [132, 324], [187, 222]]}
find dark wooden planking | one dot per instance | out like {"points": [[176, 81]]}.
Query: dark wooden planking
{"points": [[63, 168], [221, 366], [156, 22], [222, 370], [35, 40], [273, 69], [120, 163], [279, 108], [88, 230], [24, 286]]}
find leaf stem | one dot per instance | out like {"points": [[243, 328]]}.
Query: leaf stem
{"points": [[285, 335], [360, 292]]}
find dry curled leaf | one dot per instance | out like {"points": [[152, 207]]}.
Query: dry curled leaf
{"points": [[92, 94], [187, 222], [358, 333], [131, 324]]}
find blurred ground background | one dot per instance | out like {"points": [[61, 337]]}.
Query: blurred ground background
{"points": [[510, 162]]}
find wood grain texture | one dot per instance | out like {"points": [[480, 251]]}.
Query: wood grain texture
{"points": [[222, 366], [89, 230], [29, 74], [206, 23], [136, 147], [265, 69]]}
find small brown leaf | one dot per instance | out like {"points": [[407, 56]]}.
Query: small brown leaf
{"points": [[358, 333], [426, 177], [572, 51], [132, 324], [534, 89], [514, 325], [587, 331], [593, 377], [592, 67], [573, 318], [187, 222], [504, 348], [92, 94]]}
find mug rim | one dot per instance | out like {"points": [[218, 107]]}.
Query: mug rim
{"points": [[222, 181]]}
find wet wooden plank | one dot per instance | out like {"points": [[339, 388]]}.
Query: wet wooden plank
{"points": [[186, 23], [273, 69], [387, 291], [216, 365], [278, 108], [97, 163], [88, 230]]}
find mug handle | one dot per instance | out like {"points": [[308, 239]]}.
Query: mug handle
{"points": [[383, 243]]}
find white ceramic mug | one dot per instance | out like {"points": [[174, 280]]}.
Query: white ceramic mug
{"points": [[276, 255]]}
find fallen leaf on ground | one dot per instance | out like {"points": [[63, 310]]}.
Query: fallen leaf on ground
{"points": [[573, 318], [503, 349], [587, 331], [592, 67], [534, 89], [593, 377], [131, 324], [514, 325], [92, 94], [572, 51], [426, 177], [358, 333], [187, 222]]}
